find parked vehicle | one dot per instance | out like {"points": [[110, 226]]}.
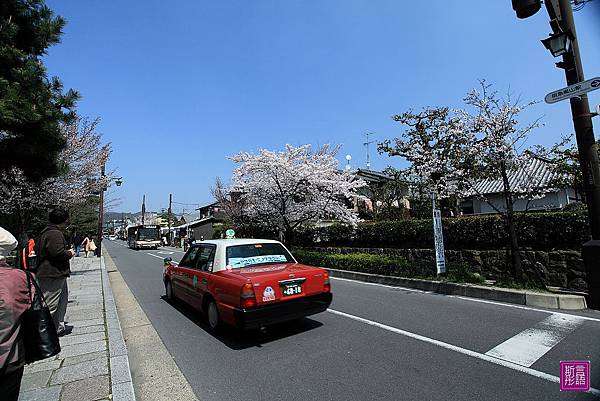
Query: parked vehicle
{"points": [[246, 283], [143, 236]]}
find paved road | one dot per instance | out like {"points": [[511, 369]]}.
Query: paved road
{"points": [[375, 343]]}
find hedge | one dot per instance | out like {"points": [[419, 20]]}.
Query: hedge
{"points": [[361, 262], [384, 265], [539, 231]]}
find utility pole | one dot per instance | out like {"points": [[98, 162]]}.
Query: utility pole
{"points": [[366, 144], [101, 209], [563, 24], [582, 119], [169, 219], [143, 208], [586, 145]]}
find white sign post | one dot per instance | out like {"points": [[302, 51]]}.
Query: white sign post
{"points": [[438, 235], [574, 90]]}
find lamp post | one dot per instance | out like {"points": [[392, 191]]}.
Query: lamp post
{"points": [[118, 181], [563, 42]]}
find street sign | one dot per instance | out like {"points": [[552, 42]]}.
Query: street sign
{"points": [[573, 90], [440, 260]]}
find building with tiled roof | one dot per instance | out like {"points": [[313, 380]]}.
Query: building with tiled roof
{"points": [[537, 173]]}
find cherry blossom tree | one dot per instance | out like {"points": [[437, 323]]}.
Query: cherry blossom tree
{"points": [[497, 151], [454, 152], [80, 163], [433, 144], [290, 188]]}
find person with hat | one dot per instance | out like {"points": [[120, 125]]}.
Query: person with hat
{"points": [[15, 299]]}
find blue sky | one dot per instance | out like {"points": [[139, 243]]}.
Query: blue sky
{"points": [[180, 85]]}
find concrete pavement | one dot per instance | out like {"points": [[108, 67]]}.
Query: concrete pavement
{"points": [[93, 362]]}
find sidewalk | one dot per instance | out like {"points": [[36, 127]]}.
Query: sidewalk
{"points": [[93, 364]]}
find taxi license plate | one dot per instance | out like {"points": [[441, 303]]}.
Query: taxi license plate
{"points": [[292, 289]]}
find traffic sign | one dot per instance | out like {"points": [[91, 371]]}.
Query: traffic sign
{"points": [[574, 90]]}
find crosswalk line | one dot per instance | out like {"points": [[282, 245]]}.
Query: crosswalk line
{"points": [[531, 344]]}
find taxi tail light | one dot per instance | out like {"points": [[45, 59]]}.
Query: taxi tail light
{"points": [[326, 283], [247, 296]]}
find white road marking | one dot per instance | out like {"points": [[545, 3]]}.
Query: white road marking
{"points": [[156, 256], [464, 351], [485, 301], [531, 344], [165, 253], [384, 285]]}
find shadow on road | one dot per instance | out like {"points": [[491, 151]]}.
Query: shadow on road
{"points": [[238, 339]]}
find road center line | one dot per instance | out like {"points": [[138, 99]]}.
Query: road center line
{"points": [[464, 351], [531, 344]]}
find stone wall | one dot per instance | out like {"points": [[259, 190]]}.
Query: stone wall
{"points": [[558, 268]]}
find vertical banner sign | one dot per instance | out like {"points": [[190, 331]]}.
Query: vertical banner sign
{"points": [[440, 260]]}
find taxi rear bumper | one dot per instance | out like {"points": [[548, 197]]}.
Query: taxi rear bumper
{"points": [[254, 318]]}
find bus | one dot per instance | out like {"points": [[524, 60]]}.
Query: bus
{"points": [[143, 236]]}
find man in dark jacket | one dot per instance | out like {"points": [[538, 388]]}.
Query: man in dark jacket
{"points": [[54, 254], [77, 240]]}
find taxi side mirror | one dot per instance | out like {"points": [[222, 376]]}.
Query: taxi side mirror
{"points": [[167, 261]]}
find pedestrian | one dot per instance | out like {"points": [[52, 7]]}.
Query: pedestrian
{"points": [[14, 301], [54, 267], [92, 246], [84, 244], [191, 240], [77, 240]]}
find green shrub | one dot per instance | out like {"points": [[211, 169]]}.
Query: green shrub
{"points": [[385, 265], [542, 231], [462, 273], [360, 262]]}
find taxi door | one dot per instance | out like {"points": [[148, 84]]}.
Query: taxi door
{"points": [[203, 270], [183, 276]]}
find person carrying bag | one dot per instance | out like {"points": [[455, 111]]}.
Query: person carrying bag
{"points": [[27, 332], [38, 329]]}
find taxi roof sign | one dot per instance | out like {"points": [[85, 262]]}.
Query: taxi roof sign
{"points": [[230, 233]]}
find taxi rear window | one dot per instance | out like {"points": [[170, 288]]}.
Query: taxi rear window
{"points": [[257, 255]]}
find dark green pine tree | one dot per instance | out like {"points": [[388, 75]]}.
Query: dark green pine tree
{"points": [[32, 106]]}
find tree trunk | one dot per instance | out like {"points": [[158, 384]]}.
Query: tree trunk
{"points": [[517, 268], [289, 237]]}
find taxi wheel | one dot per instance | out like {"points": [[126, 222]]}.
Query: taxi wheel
{"points": [[169, 291], [212, 314]]}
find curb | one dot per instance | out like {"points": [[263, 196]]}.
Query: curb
{"points": [[120, 372], [520, 297]]}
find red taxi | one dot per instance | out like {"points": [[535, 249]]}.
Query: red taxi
{"points": [[247, 283]]}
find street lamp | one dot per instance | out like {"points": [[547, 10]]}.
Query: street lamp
{"points": [[526, 8], [559, 43], [118, 181], [348, 158]]}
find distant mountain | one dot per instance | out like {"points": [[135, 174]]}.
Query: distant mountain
{"points": [[110, 216]]}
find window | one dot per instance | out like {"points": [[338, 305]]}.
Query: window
{"points": [[257, 254], [206, 255], [189, 257]]}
